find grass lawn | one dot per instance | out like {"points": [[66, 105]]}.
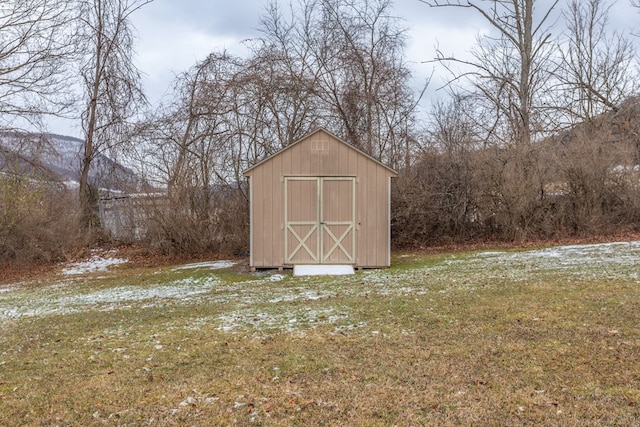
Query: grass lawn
{"points": [[538, 337]]}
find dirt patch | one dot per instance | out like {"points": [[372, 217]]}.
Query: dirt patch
{"points": [[10, 274]]}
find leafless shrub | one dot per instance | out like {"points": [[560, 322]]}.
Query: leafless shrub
{"points": [[38, 220], [220, 225], [596, 179]]}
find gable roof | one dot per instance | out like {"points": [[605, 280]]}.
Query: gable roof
{"points": [[247, 171]]}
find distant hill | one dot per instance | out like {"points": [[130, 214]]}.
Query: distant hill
{"points": [[619, 125], [58, 157]]}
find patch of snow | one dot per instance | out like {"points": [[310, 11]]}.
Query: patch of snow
{"points": [[94, 264], [188, 401], [211, 265]]}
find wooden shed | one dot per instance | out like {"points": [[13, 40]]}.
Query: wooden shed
{"points": [[320, 201]]}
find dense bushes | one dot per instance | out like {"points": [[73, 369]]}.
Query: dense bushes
{"points": [[584, 182], [197, 222], [37, 220]]}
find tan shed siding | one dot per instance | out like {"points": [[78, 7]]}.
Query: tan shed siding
{"points": [[268, 231], [380, 217], [330, 163], [374, 210], [251, 262], [344, 158], [295, 160], [277, 223], [389, 221], [302, 162], [362, 201], [383, 219], [258, 216], [267, 212], [372, 213]]}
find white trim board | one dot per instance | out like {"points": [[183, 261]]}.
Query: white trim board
{"points": [[322, 270]]}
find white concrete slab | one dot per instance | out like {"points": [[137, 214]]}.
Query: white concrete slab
{"points": [[322, 270]]}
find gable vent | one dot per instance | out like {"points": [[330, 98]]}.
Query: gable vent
{"points": [[322, 145]]}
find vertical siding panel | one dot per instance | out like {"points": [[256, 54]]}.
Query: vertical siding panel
{"points": [[388, 185], [285, 158], [305, 159], [267, 231], [351, 169], [251, 263], [381, 207], [344, 165], [258, 217], [286, 171], [296, 160], [314, 156], [373, 175], [363, 209], [372, 212], [355, 171], [384, 216], [330, 165], [319, 157], [277, 239]]}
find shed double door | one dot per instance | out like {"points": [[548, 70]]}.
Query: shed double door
{"points": [[319, 220]]}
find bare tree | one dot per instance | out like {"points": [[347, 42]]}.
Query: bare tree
{"points": [[36, 58], [596, 65], [436, 199], [365, 79], [35, 55], [509, 74], [111, 82], [347, 60], [511, 71], [207, 98], [199, 148], [288, 79]]}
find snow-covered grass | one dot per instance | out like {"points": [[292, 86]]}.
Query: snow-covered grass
{"points": [[120, 297], [548, 336], [267, 291]]}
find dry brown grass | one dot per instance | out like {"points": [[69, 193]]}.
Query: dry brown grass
{"points": [[432, 341]]}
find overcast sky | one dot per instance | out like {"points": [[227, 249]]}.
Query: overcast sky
{"points": [[173, 35]]}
